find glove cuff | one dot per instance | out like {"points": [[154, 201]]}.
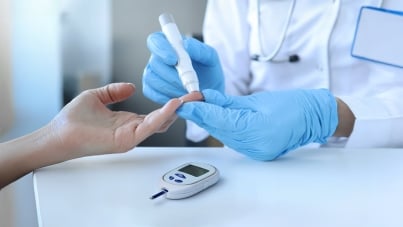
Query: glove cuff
{"points": [[325, 115]]}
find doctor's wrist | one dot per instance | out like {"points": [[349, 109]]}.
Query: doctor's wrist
{"points": [[346, 120]]}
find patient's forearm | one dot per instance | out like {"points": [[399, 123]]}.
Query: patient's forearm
{"points": [[20, 156]]}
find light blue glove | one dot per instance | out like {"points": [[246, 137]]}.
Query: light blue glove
{"points": [[160, 79], [266, 125]]}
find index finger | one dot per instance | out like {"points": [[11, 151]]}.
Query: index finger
{"points": [[154, 121]]}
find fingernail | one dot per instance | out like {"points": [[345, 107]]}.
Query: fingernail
{"points": [[131, 84]]}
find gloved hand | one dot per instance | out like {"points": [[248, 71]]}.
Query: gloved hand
{"points": [[265, 125], [160, 79]]}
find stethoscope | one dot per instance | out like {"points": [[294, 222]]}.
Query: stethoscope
{"points": [[263, 57]]}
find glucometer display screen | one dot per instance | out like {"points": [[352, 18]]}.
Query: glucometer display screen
{"points": [[193, 170]]}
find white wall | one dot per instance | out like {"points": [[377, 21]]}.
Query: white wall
{"points": [[36, 88], [7, 114], [86, 44], [7, 109]]}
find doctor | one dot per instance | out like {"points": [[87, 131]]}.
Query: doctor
{"points": [[290, 79]]}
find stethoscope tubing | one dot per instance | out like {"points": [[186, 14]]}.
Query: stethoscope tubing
{"points": [[264, 57], [268, 57]]}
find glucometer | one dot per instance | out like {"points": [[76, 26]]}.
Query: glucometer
{"points": [[187, 180]]}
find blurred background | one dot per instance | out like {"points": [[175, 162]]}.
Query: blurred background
{"points": [[51, 50]]}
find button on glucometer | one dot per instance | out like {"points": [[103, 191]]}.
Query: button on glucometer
{"points": [[180, 175]]}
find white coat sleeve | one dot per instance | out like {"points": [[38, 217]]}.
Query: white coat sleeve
{"points": [[379, 119]]}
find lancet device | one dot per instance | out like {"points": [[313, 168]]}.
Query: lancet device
{"points": [[184, 66]]}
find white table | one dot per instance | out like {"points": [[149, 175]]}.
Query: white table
{"points": [[307, 187]]}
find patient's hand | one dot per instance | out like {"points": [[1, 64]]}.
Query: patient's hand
{"points": [[193, 96]]}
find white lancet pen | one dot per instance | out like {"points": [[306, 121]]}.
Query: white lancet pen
{"points": [[184, 66]]}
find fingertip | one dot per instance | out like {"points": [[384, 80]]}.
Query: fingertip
{"points": [[114, 92], [172, 105], [193, 96], [126, 89], [176, 102], [181, 101], [131, 86]]}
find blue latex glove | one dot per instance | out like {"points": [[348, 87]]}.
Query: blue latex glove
{"points": [[160, 79], [266, 125]]}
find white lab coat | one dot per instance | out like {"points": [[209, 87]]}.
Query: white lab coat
{"points": [[321, 33]]}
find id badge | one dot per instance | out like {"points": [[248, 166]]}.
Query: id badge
{"points": [[379, 36]]}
